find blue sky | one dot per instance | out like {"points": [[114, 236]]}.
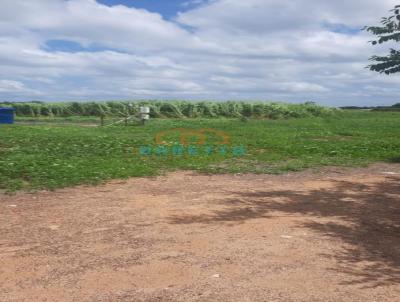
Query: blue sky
{"points": [[307, 50], [167, 8]]}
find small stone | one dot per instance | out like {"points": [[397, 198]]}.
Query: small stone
{"points": [[167, 255], [216, 276], [12, 205], [390, 173], [286, 236]]}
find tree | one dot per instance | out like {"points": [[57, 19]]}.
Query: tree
{"points": [[389, 31]]}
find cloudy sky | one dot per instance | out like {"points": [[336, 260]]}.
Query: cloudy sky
{"points": [[284, 50]]}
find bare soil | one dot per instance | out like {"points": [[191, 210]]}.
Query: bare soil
{"points": [[327, 235]]}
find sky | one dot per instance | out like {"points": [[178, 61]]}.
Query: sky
{"points": [[273, 50]]}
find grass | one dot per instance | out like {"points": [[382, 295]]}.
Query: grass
{"points": [[58, 120], [54, 154]]}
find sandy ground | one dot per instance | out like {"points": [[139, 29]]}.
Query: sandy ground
{"points": [[329, 235]]}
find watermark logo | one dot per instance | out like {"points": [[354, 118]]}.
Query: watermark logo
{"points": [[192, 142]]}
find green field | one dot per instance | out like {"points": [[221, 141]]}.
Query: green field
{"points": [[47, 153]]}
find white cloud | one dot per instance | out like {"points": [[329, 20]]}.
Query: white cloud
{"points": [[253, 49], [11, 86], [193, 2]]}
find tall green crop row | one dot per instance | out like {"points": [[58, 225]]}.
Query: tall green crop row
{"points": [[171, 109]]}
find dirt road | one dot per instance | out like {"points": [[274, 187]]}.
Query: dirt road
{"points": [[332, 235]]}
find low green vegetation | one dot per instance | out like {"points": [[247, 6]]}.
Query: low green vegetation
{"points": [[171, 109], [395, 107], [64, 153]]}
